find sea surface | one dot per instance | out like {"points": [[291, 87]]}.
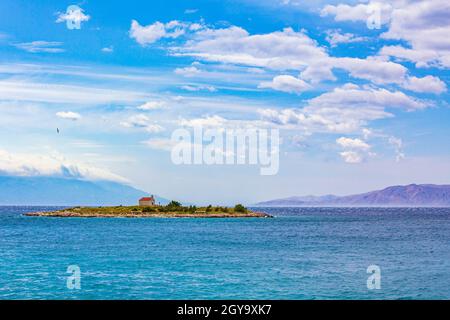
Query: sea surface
{"points": [[303, 253]]}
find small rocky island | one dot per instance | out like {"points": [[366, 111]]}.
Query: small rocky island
{"points": [[147, 209]]}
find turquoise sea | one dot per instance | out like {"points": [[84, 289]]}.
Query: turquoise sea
{"points": [[304, 253]]}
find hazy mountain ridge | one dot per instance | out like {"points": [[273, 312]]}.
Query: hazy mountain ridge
{"points": [[67, 192], [410, 195]]}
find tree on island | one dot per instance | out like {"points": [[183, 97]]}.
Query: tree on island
{"points": [[174, 204], [240, 208]]}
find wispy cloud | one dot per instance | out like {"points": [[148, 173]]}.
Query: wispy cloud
{"points": [[335, 37], [188, 71], [41, 46], [59, 93], [109, 49], [195, 88], [190, 11], [141, 121]]}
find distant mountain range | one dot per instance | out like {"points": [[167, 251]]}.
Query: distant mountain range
{"points": [[424, 195], [67, 192]]}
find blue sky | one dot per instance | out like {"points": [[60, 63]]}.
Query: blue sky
{"points": [[357, 108]]}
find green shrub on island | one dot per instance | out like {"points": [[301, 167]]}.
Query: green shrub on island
{"points": [[163, 209], [192, 209], [174, 207], [240, 208], [174, 204]]}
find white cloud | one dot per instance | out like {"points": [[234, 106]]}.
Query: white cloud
{"points": [[352, 157], [152, 105], [428, 84], [145, 35], [141, 121], [188, 71], [373, 69], [209, 121], [287, 83], [77, 16], [284, 50], [194, 88], [397, 143], [359, 149], [195, 27], [347, 109], [318, 71], [277, 50], [59, 93], [109, 49], [288, 50], [331, 119], [366, 133], [154, 128], [424, 25], [54, 164], [349, 143], [160, 144], [149, 34], [422, 58], [41, 46], [359, 12], [255, 70], [355, 150], [357, 97], [69, 115], [335, 37]]}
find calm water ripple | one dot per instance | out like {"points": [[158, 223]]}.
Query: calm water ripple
{"points": [[304, 253]]}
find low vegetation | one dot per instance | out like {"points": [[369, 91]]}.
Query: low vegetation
{"points": [[173, 209]]}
